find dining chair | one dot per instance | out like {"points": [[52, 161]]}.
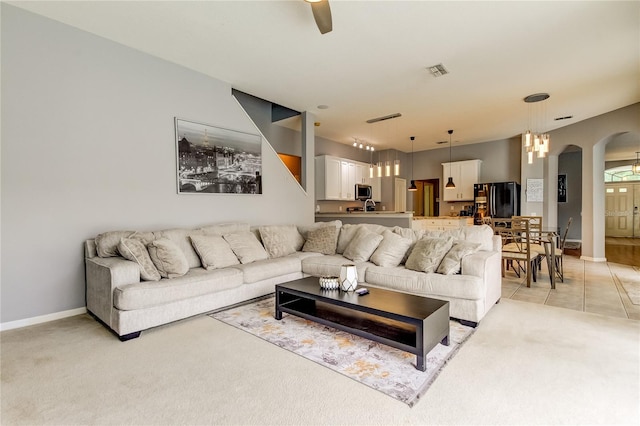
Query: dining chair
{"points": [[535, 234], [516, 247], [559, 251]]}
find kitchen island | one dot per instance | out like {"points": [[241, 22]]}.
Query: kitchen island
{"points": [[403, 219]]}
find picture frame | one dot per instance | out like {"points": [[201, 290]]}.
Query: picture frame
{"points": [[215, 160], [562, 188]]}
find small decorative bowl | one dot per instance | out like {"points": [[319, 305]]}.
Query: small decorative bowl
{"points": [[329, 283]]}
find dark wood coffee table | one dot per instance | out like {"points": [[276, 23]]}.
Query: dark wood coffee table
{"points": [[410, 323]]}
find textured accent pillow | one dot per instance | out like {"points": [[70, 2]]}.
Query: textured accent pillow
{"points": [[428, 253], [391, 250], [134, 250], [362, 246], [168, 258], [322, 240], [304, 230], [413, 235], [214, 251], [451, 263], [347, 234], [107, 242], [281, 240], [246, 246]]}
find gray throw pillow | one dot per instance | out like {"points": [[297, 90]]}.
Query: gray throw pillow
{"points": [[246, 246], [362, 246], [168, 258], [281, 240], [428, 253], [391, 250], [451, 263], [135, 251], [214, 251], [322, 240]]}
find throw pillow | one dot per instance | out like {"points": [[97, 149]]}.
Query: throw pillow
{"points": [[482, 234], [281, 240], [107, 242], [214, 251], [168, 258], [246, 246], [347, 233], [322, 240], [428, 253], [413, 235], [304, 230], [362, 245], [135, 251], [451, 263], [391, 250]]}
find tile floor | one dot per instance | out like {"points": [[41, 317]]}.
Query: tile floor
{"points": [[588, 286]]}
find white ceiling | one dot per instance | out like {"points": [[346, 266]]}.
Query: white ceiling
{"points": [[585, 54]]}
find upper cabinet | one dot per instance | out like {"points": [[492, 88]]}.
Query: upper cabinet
{"points": [[336, 178], [465, 174]]}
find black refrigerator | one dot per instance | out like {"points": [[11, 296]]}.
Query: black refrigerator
{"points": [[497, 199]]}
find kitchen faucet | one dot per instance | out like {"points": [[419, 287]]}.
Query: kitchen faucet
{"points": [[365, 204]]}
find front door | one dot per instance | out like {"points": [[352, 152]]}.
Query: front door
{"points": [[621, 213]]}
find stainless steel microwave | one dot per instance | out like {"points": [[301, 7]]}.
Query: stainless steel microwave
{"points": [[363, 192]]}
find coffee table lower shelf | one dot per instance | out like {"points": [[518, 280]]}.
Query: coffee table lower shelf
{"points": [[407, 334]]}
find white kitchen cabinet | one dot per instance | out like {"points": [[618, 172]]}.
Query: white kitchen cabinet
{"points": [[362, 173], [376, 188], [465, 174], [328, 178], [348, 177]]}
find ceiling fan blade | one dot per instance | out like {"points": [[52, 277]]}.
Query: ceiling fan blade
{"points": [[322, 14]]}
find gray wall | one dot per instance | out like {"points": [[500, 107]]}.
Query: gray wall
{"points": [[88, 146], [570, 164]]}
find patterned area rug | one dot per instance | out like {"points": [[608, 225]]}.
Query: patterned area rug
{"points": [[381, 367], [631, 284]]}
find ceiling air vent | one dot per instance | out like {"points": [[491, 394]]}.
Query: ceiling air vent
{"points": [[438, 70], [386, 117], [563, 118], [441, 142]]}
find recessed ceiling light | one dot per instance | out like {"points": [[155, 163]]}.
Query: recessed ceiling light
{"points": [[323, 106], [438, 70]]}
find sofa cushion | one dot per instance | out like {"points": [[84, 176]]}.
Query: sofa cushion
{"points": [[182, 238], [391, 249], [322, 240], [304, 229], [349, 231], [330, 265], [362, 246], [246, 246], [107, 242], [427, 284], [269, 268], [168, 258], [214, 251], [281, 240], [452, 261], [196, 282], [135, 251], [482, 235], [428, 253]]}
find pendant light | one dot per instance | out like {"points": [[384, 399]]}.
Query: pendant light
{"points": [[450, 184], [636, 166], [412, 187]]}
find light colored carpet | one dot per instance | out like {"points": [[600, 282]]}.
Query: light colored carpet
{"points": [[525, 364], [630, 281], [389, 370]]}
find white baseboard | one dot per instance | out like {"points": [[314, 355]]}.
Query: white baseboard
{"points": [[593, 259], [43, 318]]}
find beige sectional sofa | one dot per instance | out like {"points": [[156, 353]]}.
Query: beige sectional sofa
{"points": [[139, 280]]}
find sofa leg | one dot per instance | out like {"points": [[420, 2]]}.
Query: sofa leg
{"points": [[129, 336], [468, 323]]}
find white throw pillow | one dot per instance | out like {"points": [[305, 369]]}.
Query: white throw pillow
{"points": [[482, 235], [391, 250], [362, 246], [246, 246], [168, 258], [281, 240], [428, 253], [452, 261], [214, 251], [135, 251]]}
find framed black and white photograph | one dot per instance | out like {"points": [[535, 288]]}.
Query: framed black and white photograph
{"points": [[562, 188], [213, 160]]}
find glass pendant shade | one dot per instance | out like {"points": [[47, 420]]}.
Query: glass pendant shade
{"points": [[396, 168], [379, 167], [387, 168], [370, 170], [636, 166]]}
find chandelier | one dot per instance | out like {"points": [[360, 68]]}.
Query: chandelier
{"points": [[636, 166], [536, 142]]}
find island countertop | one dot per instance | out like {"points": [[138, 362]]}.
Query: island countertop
{"points": [[385, 218]]}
